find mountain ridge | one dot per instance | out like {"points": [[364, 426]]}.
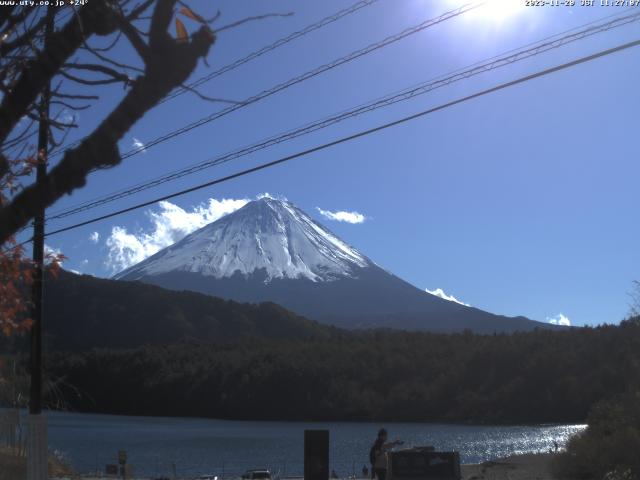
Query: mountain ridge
{"points": [[268, 234], [270, 250], [84, 312]]}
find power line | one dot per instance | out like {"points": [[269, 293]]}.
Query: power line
{"points": [[303, 77], [523, 53], [255, 54], [268, 48], [360, 134], [306, 76]]}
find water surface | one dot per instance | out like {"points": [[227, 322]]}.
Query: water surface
{"points": [[194, 446]]}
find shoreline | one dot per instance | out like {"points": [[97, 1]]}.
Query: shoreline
{"points": [[515, 467], [24, 412], [526, 466]]}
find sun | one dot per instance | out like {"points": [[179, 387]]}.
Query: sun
{"points": [[488, 12], [497, 11]]}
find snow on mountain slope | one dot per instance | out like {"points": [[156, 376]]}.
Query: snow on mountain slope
{"points": [[269, 250], [268, 235]]}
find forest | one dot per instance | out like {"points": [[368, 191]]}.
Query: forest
{"points": [[535, 377], [84, 312], [131, 348]]}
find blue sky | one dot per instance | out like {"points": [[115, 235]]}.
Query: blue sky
{"points": [[519, 203]]}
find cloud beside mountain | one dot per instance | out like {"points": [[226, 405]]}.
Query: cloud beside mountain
{"points": [[169, 224], [342, 216], [438, 292], [559, 319]]}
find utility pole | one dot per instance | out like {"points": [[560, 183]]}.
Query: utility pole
{"points": [[37, 446]]}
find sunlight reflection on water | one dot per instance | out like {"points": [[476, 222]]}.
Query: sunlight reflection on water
{"points": [[198, 446]]}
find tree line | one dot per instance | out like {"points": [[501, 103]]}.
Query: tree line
{"points": [[534, 377], [83, 312]]}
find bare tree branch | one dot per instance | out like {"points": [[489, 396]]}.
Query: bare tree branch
{"points": [[70, 106], [107, 47], [4, 165], [5, 13], [94, 18], [104, 58], [207, 98], [87, 81], [634, 307], [21, 136], [13, 20], [168, 65], [160, 20], [56, 143], [92, 67], [139, 10], [134, 38], [74, 96], [25, 39]]}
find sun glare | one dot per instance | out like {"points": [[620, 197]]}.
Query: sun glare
{"points": [[498, 10]]}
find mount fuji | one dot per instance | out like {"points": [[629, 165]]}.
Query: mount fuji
{"points": [[270, 250]]}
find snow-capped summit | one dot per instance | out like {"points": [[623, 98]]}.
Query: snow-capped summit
{"points": [[269, 236], [270, 250]]}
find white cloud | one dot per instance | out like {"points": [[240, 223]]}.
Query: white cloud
{"points": [[65, 116], [49, 250], [137, 144], [438, 292], [126, 249], [85, 262], [342, 216], [94, 237], [168, 225], [559, 319]]}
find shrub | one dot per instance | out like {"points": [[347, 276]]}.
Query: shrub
{"points": [[608, 448]]}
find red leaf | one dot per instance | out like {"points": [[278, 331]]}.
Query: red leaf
{"points": [[187, 12], [183, 36]]}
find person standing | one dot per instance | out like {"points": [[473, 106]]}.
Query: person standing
{"points": [[378, 454]]}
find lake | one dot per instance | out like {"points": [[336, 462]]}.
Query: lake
{"points": [[194, 446]]}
